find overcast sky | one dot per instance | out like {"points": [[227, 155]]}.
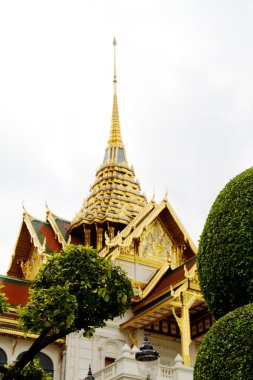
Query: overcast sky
{"points": [[185, 93]]}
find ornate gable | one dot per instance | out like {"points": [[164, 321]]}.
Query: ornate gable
{"points": [[36, 240], [151, 244], [156, 244]]}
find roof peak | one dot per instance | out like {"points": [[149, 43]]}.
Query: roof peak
{"points": [[115, 74], [115, 151], [115, 197]]}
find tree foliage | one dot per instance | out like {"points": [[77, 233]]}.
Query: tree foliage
{"points": [[3, 302], [226, 352], [76, 290], [225, 257], [32, 371]]}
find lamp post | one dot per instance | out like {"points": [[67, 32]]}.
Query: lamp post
{"points": [[147, 360], [89, 375]]}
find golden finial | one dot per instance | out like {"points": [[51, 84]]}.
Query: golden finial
{"points": [[47, 208], [115, 135], [114, 75], [165, 199], [24, 209], [153, 196]]}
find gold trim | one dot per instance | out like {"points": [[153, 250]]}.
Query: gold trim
{"points": [[154, 263], [175, 300], [13, 256], [51, 219], [9, 320], [138, 284], [132, 338], [135, 228], [181, 227], [19, 333], [155, 279], [160, 294], [26, 335], [35, 240]]}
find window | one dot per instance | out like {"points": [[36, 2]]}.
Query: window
{"points": [[45, 362], [3, 357], [109, 361]]}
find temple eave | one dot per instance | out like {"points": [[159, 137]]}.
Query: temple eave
{"points": [[101, 220], [99, 202]]}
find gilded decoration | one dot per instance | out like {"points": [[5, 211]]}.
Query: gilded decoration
{"points": [[31, 267], [183, 300], [116, 194], [127, 250], [192, 277], [155, 243]]}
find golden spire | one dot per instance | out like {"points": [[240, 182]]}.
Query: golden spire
{"points": [[115, 135], [115, 198], [114, 75]]}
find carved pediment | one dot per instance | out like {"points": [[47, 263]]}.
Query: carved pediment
{"points": [[31, 266], [156, 244]]}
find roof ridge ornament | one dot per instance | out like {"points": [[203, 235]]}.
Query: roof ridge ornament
{"points": [[24, 209], [25, 212], [165, 199]]}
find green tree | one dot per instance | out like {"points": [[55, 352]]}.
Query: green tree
{"points": [[3, 302], [226, 352], [33, 371], [225, 265], [76, 290], [225, 257]]}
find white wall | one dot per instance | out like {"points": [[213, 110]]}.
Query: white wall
{"points": [[81, 352]]}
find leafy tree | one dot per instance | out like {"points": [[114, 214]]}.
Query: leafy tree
{"points": [[3, 302], [76, 290], [225, 257], [225, 265], [32, 371], [226, 352]]}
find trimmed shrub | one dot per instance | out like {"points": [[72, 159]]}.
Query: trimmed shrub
{"points": [[225, 257], [226, 352]]}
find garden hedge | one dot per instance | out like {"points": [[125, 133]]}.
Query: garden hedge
{"points": [[225, 257], [226, 352]]}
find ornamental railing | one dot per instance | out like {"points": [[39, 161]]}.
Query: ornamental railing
{"points": [[125, 368]]}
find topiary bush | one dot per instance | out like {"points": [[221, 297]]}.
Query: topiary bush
{"points": [[225, 257], [226, 352]]}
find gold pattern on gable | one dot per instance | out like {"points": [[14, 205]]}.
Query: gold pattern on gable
{"points": [[155, 243], [31, 267], [127, 250]]}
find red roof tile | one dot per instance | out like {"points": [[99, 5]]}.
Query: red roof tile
{"points": [[51, 241]]}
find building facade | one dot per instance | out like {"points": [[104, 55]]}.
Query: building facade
{"points": [[150, 243]]}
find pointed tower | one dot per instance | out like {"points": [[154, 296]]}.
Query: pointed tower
{"points": [[115, 197]]}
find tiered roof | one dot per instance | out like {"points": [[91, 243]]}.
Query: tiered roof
{"points": [[115, 195]]}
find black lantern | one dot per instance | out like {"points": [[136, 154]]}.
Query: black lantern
{"points": [[90, 376], [147, 359]]}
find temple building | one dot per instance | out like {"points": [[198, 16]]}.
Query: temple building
{"points": [[150, 243]]}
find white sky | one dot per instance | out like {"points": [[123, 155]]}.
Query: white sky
{"points": [[185, 96]]}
